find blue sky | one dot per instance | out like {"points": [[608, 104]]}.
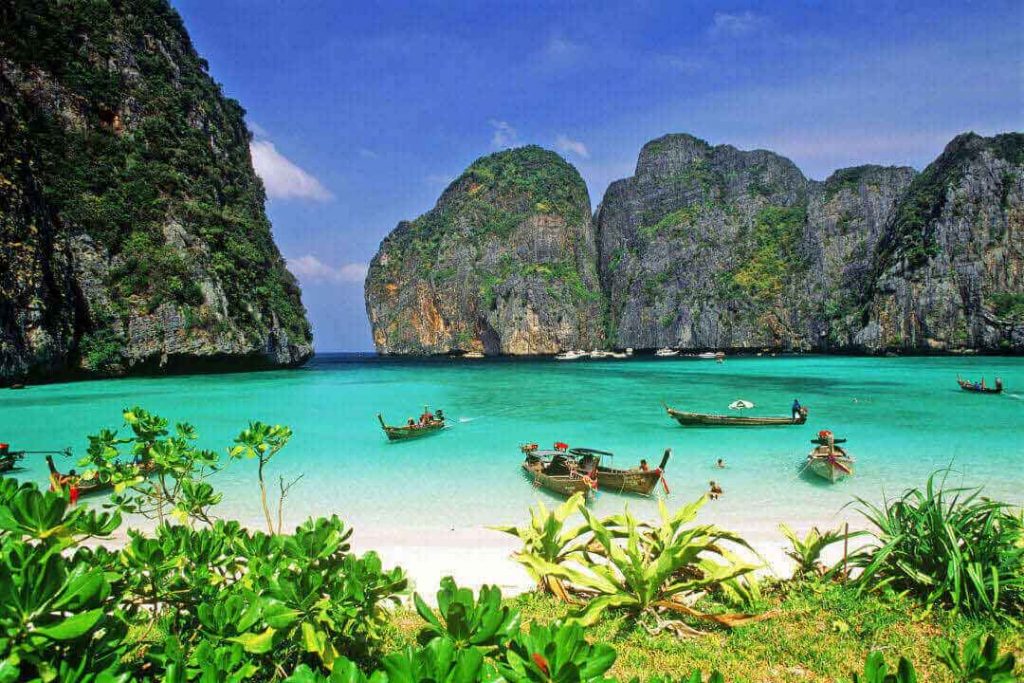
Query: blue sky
{"points": [[363, 112]]}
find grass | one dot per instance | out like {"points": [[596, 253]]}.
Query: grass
{"points": [[821, 632]]}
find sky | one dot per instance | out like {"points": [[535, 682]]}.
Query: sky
{"points": [[362, 112]]}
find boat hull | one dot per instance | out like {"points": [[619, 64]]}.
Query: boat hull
{"points": [[407, 433], [708, 420], [632, 481], [562, 484], [829, 469]]}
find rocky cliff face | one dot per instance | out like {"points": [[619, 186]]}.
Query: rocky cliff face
{"points": [[504, 263], [950, 272], [132, 229], [710, 247], [713, 247]]}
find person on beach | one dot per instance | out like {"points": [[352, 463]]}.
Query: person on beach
{"points": [[796, 409], [720, 464], [715, 491]]}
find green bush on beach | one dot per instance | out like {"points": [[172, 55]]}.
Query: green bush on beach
{"points": [[203, 599]]}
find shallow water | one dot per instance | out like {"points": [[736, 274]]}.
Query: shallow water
{"points": [[904, 418]]}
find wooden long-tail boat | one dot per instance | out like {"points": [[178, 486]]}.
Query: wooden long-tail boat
{"points": [[87, 484], [9, 458], [413, 431], [558, 471], [827, 460], [979, 387], [634, 480], [710, 420]]}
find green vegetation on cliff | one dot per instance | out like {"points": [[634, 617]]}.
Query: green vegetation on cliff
{"points": [[776, 233], [143, 146]]}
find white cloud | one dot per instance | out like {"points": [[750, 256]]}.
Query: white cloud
{"points": [[504, 134], [368, 153], [257, 130], [570, 146], [735, 25], [282, 178], [311, 269]]}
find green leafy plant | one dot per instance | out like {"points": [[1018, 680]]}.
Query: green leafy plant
{"points": [[977, 661], [806, 551], [547, 541], [262, 442], [483, 623], [555, 652], [946, 546], [166, 474], [877, 671], [648, 573]]}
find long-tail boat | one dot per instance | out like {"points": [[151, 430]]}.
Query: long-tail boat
{"points": [[634, 480], [89, 483], [9, 458], [979, 387], [710, 420], [827, 460], [414, 430], [558, 471]]}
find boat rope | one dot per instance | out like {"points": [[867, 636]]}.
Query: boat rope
{"points": [[66, 452]]}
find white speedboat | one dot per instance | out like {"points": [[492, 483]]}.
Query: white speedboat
{"points": [[707, 355], [570, 355], [473, 355], [601, 354], [666, 353]]}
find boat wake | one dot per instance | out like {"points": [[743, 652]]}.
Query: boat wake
{"points": [[1019, 397]]}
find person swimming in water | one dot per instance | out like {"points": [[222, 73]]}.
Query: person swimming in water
{"points": [[715, 491], [720, 464]]}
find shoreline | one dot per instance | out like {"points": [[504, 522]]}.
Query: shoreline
{"points": [[475, 556]]}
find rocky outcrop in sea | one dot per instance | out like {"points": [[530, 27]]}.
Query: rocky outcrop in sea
{"points": [[132, 230], [715, 247]]}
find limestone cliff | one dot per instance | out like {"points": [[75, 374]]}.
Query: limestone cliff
{"points": [[132, 229], [713, 247], [950, 272], [504, 263]]}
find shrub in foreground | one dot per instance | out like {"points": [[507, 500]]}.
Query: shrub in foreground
{"points": [[951, 547]]}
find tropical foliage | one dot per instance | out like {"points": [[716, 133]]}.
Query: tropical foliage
{"points": [[620, 563], [547, 541], [806, 551], [948, 546]]}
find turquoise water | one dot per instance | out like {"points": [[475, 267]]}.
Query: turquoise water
{"points": [[904, 417]]}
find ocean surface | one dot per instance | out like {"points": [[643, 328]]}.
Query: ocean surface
{"points": [[903, 418]]}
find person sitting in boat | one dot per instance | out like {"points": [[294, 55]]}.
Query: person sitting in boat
{"points": [[426, 417], [796, 409], [439, 416], [644, 466], [411, 423], [999, 384]]}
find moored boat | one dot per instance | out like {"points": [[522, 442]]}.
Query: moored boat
{"points": [[557, 471], [634, 480], [413, 430], [666, 353], [8, 458], [979, 387], [473, 355], [827, 460], [707, 355], [711, 420], [88, 483], [571, 355]]}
